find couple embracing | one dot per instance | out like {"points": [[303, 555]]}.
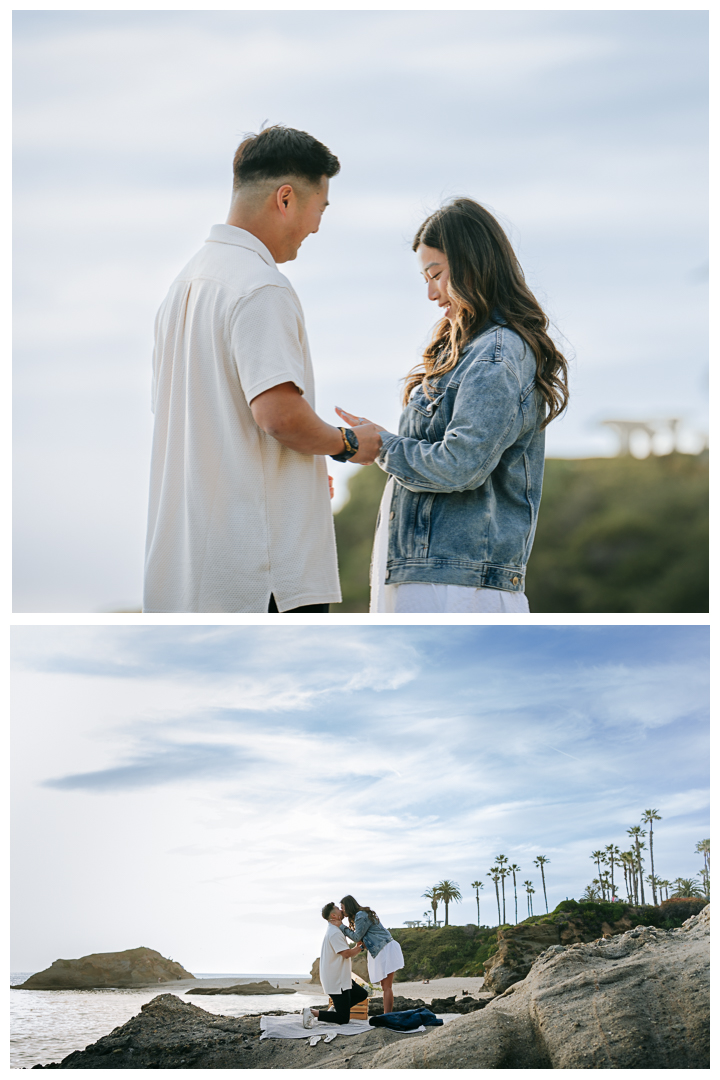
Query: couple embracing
{"points": [[240, 517], [384, 958]]}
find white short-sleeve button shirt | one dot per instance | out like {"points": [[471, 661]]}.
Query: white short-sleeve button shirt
{"points": [[335, 970], [234, 515]]}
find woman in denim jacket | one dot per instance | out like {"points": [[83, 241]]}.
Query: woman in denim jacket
{"points": [[384, 955], [458, 516]]}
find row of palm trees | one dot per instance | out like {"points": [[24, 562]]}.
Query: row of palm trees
{"points": [[632, 863], [603, 887], [448, 892], [502, 869]]}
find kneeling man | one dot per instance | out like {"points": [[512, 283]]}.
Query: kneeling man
{"points": [[336, 973]]}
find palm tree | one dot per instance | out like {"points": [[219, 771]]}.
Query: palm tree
{"points": [[540, 861], [432, 896], [686, 887], [495, 875], [598, 857], [448, 891], [529, 890], [656, 883], [605, 884], [626, 858], [665, 884], [703, 848], [591, 893], [636, 832], [477, 886], [501, 860], [515, 869], [648, 817], [612, 851]]}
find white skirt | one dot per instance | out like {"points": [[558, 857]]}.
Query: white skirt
{"points": [[428, 597], [389, 959]]}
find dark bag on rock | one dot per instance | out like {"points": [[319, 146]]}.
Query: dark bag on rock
{"points": [[407, 1020]]}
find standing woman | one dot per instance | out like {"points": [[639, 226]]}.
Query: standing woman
{"points": [[458, 517], [384, 955]]}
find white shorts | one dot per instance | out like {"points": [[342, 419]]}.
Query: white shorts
{"points": [[427, 597], [389, 959]]}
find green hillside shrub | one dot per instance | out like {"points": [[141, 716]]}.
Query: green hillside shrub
{"points": [[614, 535]]}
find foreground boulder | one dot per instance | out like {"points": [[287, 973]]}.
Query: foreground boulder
{"points": [[133, 967], [253, 988], [571, 922], [639, 1000]]}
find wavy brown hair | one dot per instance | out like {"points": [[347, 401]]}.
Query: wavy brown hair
{"points": [[352, 907], [485, 279]]}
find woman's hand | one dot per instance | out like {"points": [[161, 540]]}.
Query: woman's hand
{"points": [[354, 421], [368, 436]]}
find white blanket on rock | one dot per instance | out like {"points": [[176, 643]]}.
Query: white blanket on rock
{"points": [[290, 1027]]}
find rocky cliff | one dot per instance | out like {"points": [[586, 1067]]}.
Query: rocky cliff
{"points": [[571, 923], [639, 1000], [133, 967]]}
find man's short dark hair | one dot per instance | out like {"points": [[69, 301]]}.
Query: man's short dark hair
{"points": [[328, 910], [280, 151]]}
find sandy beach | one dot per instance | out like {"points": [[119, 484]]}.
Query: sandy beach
{"points": [[436, 988]]}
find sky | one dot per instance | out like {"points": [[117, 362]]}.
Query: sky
{"points": [[204, 791], [583, 131]]}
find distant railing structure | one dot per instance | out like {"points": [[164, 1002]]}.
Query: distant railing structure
{"points": [[625, 429]]}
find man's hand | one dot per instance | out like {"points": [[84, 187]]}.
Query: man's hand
{"points": [[332, 489], [369, 443]]}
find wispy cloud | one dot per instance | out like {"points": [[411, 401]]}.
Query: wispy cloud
{"points": [[193, 761]]}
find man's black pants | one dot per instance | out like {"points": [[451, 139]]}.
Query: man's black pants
{"points": [[343, 1004], [323, 608]]}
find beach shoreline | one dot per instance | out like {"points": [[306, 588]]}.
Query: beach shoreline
{"points": [[436, 988]]}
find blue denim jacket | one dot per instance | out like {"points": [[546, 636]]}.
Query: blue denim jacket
{"points": [[468, 466], [373, 935]]}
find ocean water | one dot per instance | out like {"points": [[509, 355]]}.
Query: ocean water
{"points": [[47, 1025]]}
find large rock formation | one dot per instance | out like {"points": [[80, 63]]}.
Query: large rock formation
{"points": [[263, 987], [639, 1000], [519, 946], [133, 967]]}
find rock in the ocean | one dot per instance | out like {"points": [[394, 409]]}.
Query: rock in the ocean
{"points": [[263, 987], [639, 1000], [133, 967]]}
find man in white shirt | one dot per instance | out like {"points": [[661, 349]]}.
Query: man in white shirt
{"points": [[239, 516], [336, 973]]}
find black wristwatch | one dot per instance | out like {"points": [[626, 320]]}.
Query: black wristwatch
{"points": [[351, 445]]}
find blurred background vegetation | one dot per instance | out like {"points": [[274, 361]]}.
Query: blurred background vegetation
{"points": [[614, 535]]}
